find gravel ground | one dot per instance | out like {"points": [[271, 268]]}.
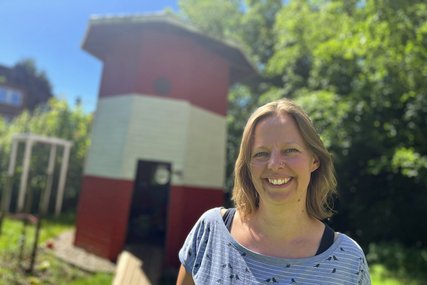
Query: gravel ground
{"points": [[63, 248]]}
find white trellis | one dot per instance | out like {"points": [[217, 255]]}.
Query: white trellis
{"points": [[30, 140]]}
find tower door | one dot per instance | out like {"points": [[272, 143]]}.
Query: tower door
{"points": [[148, 213]]}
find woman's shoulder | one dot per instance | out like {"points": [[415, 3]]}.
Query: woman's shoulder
{"points": [[349, 245], [208, 221], [211, 215], [351, 253]]}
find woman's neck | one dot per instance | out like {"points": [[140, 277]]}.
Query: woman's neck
{"points": [[279, 233], [281, 223]]}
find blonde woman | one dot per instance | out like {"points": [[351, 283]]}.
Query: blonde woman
{"points": [[284, 180]]}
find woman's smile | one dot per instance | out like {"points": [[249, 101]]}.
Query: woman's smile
{"points": [[279, 181]]}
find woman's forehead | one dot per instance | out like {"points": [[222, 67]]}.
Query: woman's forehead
{"points": [[277, 129]]}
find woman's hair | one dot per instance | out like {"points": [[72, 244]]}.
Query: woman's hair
{"points": [[322, 184]]}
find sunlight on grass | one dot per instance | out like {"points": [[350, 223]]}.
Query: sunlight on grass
{"points": [[11, 232], [99, 279], [381, 276], [53, 226], [48, 269]]}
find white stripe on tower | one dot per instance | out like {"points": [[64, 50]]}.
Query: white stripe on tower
{"points": [[131, 127]]}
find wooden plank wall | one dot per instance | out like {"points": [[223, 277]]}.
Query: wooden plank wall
{"points": [[130, 271]]}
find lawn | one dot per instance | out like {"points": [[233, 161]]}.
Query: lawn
{"points": [[380, 275], [50, 270], [47, 268]]}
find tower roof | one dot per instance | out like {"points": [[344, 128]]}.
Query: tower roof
{"points": [[105, 29]]}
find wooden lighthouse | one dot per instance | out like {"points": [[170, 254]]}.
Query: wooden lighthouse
{"points": [[157, 154]]}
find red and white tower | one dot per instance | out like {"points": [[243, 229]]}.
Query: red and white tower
{"points": [[157, 154]]}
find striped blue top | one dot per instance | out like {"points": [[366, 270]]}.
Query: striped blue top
{"points": [[212, 256]]}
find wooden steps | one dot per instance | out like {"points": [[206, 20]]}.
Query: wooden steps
{"points": [[139, 265]]}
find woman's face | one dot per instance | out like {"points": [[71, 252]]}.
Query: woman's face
{"points": [[281, 164]]}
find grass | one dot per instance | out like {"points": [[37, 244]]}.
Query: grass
{"points": [[394, 263], [48, 269], [383, 276]]}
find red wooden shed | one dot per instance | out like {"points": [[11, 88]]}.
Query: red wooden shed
{"points": [[157, 154]]}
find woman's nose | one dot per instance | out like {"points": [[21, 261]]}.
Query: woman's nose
{"points": [[276, 161]]}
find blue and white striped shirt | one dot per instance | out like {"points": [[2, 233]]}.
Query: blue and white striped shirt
{"points": [[212, 256]]}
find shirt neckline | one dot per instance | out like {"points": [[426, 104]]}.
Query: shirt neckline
{"points": [[273, 259]]}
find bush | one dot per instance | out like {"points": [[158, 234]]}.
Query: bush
{"points": [[405, 263]]}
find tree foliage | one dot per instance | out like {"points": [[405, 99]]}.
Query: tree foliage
{"points": [[358, 68], [56, 119], [24, 74]]}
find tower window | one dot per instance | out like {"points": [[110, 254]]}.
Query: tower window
{"points": [[162, 86]]}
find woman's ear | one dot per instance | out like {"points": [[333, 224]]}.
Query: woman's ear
{"points": [[315, 164]]}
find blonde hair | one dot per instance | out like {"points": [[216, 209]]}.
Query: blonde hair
{"points": [[322, 184]]}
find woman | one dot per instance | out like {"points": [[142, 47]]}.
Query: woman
{"points": [[284, 180]]}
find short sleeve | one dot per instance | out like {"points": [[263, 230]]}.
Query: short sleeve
{"points": [[190, 250], [364, 276]]}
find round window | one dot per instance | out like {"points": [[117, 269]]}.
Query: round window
{"points": [[162, 86], [162, 175]]}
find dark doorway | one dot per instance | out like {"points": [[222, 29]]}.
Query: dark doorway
{"points": [[148, 213]]}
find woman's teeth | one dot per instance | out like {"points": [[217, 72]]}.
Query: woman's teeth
{"points": [[279, 181]]}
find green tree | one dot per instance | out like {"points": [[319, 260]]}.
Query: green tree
{"points": [[219, 18], [56, 119], [372, 65]]}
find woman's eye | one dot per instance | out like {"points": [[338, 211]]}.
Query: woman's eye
{"points": [[291, 150], [261, 154]]}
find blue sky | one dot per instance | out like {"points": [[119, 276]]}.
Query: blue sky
{"points": [[51, 33]]}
